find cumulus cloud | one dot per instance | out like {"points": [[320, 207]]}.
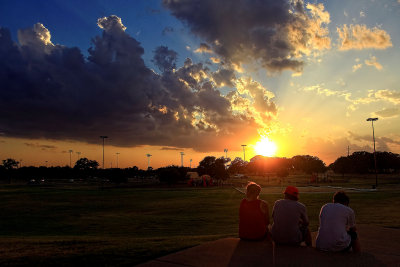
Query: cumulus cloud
{"points": [[373, 63], [203, 48], [273, 34], [52, 91], [360, 37], [388, 112]]}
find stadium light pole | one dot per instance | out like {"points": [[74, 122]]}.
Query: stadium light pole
{"points": [[148, 160], [226, 153], [117, 158], [182, 158], [70, 157], [373, 137], [103, 137], [244, 152], [191, 163]]}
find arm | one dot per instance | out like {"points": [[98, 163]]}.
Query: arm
{"points": [[264, 209]]}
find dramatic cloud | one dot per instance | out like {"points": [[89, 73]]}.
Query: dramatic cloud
{"points": [[204, 48], [274, 34], [52, 91], [360, 37]]}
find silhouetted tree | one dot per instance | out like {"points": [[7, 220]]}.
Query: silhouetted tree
{"points": [[10, 164], [237, 166], [308, 164], [86, 164]]}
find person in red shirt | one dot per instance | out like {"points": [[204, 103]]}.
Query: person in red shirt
{"points": [[253, 214]]}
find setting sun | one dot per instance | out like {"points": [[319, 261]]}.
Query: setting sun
{"points": [[265, 147]]}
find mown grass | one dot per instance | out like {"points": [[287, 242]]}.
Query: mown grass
{"points": [[126, 226]]}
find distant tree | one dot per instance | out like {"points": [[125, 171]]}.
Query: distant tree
{"points": [[10, 164], [341, 165], [220, 172], [171, 175], [207, 166], [237, 166], [86, 164], [308, 164]]}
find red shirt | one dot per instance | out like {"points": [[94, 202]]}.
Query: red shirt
{"points": [[252, 222]]}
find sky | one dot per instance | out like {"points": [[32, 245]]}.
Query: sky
{"points": [[161, 77]]}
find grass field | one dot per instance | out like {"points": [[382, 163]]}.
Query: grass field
{"points": [[126, 226]]}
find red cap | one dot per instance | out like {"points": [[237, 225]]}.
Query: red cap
{"points": [[292, 190]]}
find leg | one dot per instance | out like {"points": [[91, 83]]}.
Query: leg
{"points": [[308, 238], [355, 242]]}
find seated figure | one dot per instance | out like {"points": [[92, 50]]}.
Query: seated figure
{"points": [[253, 214]]}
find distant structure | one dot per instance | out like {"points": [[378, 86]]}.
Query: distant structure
{"points": [[103, 137], [79, 155], [182, 158], [226, 153], [244, 152], [70, 157], [148, 160], [117, 158], [373, 137], [191, 163]]}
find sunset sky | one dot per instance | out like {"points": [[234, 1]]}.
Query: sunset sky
{"points": [[164, 77]]}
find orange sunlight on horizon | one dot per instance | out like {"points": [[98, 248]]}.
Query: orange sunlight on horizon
{"points": [[265, 147]]}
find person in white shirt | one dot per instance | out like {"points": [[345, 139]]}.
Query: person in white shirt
{"points": [[337, 226]]}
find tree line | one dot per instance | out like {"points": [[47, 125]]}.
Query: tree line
{"points": [[222, 168]]}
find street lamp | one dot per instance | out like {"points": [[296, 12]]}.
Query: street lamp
{"points": [[103, 137], [70, 158], [148, 160], [117, 158], [182, 158], [373, 137], [244, 152]]}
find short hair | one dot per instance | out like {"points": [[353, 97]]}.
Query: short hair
{"points": [[253, 189], [341, 197]]}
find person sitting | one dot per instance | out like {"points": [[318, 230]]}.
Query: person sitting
{"points": [[337, 227], [253, 214], [290, 220]]}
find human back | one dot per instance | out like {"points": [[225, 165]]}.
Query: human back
{"points": [[287, 215], [253, 214]]}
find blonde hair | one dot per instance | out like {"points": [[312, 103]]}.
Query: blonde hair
{"points": [[252, 189]]}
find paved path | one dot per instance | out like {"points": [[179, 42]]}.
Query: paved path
{"points": [[380, 247]]}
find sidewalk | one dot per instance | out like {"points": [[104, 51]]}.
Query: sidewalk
{"points": [[380, 247]]}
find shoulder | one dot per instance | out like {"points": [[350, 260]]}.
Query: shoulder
{"points": [[263, 203]]}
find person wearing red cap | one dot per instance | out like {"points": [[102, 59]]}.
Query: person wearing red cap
{"points": [[253, 214], [290, 226]]}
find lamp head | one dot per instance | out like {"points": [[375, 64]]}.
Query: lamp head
{"points": [[372, 119]]}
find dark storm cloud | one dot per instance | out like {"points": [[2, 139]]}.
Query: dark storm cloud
{"points": [[43, 147], [52, 91], [274, 34]]}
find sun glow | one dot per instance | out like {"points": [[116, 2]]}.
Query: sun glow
{"points": [[265, 147]]}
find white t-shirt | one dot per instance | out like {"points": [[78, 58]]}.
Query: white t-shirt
{"points": [[334, 221]]}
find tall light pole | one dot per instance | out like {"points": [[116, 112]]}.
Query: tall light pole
{"points": [[182, 158], [148, 160], [79, 155], [244, 152], [117, 158], [103, 137], [226, 153], [373, 137], [70, 158], [191, 163]]}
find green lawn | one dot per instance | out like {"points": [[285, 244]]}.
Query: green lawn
{"points": [[126, 226]]}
